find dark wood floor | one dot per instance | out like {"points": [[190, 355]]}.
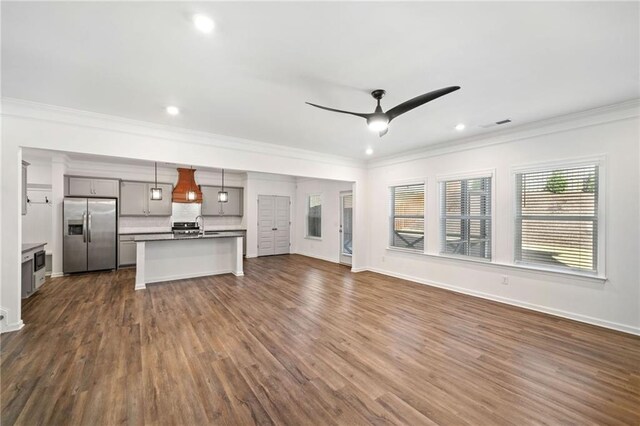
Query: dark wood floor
{"points": [[302, 341]]}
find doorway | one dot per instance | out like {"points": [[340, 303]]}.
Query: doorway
{"points": [[273, 225], [346, 227]]}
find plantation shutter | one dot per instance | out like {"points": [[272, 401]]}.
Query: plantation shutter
{"points": [[557, 218], [407, 217], [465, 222], [314, 216]]}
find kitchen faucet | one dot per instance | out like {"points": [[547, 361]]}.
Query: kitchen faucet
{"points": [[202, 228]]}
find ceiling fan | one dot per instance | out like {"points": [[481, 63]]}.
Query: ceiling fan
{"points": [[378, 121]]}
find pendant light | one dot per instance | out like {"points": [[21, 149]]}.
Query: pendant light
{"points": [[223, 196], [191, 194], [156, 192]]}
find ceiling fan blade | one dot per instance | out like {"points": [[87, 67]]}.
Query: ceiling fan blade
{"points": [[383, 132], [339, 110], [419, 100]]}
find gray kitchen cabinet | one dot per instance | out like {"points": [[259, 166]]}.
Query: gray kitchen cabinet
{"points": [[127, 253], [212, 207], [160, 207], [234, 206], [24, 187], [92, 187], [105, 187], [135, 199]]}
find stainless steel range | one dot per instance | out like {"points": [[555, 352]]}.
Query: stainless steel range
{"points": [[185, 228]]}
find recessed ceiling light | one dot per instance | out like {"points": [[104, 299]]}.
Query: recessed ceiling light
{"points": [[173, 110], [460, 127], [369, 151], [203, 23]]}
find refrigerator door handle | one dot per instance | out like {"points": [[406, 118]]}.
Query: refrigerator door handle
{"points": [[89, 228], [84, 227]]}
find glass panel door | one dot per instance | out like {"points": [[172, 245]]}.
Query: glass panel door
{"points": [[346, 227]]}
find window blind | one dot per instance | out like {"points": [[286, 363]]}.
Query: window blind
{"points": [[407, 217], [314, 216], [465, 221], [557, 218]]}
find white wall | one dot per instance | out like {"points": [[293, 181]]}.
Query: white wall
{"points": [[267, 184], [328, 247], [614, 303], [37, 223], [25, 124]]}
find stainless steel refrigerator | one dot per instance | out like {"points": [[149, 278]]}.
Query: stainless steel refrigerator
{"points": [[90, 236]]}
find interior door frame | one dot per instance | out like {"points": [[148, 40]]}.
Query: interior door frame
{"points": [[275, 230], [345, 259]]}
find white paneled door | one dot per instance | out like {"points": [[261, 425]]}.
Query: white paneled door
{"points": [[273, 225]]}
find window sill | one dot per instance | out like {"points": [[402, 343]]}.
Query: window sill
{"points": [[520, 267], [313, 238]]}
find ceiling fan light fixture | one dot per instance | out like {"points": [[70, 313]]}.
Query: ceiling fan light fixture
{"points": [[378, 123]]}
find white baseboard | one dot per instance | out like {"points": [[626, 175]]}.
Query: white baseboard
{"points": [[187, 276], [326, 259], [356, 270], [12, 327], [551, 311], [57, 274]]}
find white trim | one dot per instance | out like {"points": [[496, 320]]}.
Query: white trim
{"points": [[178, 277], [313, 238], [12, 327], [601, 162], [315, 256], [470, 174], [519, 267], [605, 114], [533, 307]]}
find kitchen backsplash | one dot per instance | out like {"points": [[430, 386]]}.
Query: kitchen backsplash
{"points": [[182, 212], [185, 212]]}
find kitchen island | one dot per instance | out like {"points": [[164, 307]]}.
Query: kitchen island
{"points": [[168, 257]]}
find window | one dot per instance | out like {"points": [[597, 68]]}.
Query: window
{"points": [[465, 222], [407, 217], [314, 216], [557, 218]]}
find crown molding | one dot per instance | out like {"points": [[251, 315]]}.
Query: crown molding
{"points": [[12, 107], [591, 117], [271, 177]]}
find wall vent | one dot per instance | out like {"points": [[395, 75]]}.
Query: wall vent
{"points": [[497, 123]]}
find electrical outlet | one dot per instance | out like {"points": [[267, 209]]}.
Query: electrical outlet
{"points": [[505, 280]]}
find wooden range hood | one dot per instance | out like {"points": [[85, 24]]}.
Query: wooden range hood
{"points": [[186, 183]]}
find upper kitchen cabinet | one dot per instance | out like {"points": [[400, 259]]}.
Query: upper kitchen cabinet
{"points": [[24, 187], [135, 199], [92, 187], [212, 207]]}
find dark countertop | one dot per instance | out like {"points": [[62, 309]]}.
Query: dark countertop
{"points": [[145, 233], [31, 246], [171, 237], [169, 231]]}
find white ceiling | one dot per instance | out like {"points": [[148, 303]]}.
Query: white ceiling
{"points": [[251, 76]]}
